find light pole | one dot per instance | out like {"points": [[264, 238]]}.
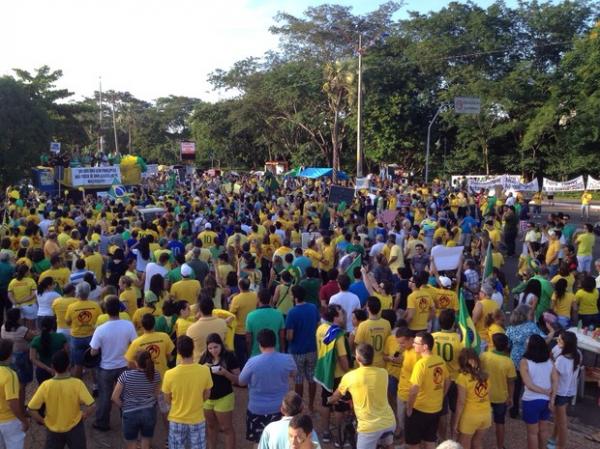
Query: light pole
{"points": [[428, 139], [359, 153]]}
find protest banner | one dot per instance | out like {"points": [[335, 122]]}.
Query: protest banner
{"points": [[446, 258], [571, 185], [593, 184], [95, 176]]}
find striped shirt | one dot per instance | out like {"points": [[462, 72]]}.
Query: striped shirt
{"points": [[138, 393]]}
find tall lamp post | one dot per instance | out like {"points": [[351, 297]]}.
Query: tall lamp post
{"points": [[359, 152], [442, 106]]}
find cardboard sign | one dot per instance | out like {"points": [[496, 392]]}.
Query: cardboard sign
{"points": [[338, 194]]}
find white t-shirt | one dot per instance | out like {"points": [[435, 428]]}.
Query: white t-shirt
{"points": [[113, 339], [540, 374], [45, 301], [349, 302], [140, 262], [567, 377], [151, 269]]}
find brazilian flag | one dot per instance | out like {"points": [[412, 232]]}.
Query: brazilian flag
{"points": [[270, 182], [470, 336], [117, 191]]}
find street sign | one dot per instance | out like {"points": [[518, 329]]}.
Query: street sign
{"points": [[55, 147], [467, 105]]}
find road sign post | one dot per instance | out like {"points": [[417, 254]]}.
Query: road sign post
{"points": [[467, 105]]}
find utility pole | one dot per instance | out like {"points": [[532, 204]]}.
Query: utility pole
{"points": [[428, 139], [359, 153], [115, 126], [100, 121]]}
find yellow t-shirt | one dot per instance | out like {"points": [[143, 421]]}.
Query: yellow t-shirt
{"points": [[129, 298], [207, 238], [488, 306], [313, 255], [21, 289], [429, 374], [587, 302], [60, 275], [158, 344], [586, 198], [396, 251], [387, 301], [477, 401], [375, 333], [241, 305], [444, 299], [570, 281], [390, 348], [9, 390], [181, 326], [186, 384], [199, 330], [368, 387], [585, 243], [448, 347], [494, 329], [59, 308], [552, 252], [500, 370], [82, 316], [563, 307], [186, 289], [94, 263], [63, 398], [497, 260], [421, 301], [409, 359], [139, 314]]}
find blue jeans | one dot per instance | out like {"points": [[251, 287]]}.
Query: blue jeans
{"points": [[139, 422], [78, 347], [107, 378]]}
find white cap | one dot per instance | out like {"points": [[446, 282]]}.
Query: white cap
{"points": [[207, 226], [445, 281], [186, 270]]}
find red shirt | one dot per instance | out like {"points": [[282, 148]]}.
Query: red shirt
{"points": [[328, 290]]}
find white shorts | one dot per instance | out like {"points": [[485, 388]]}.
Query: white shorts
{"points": [[29, 312], [12, 435]]}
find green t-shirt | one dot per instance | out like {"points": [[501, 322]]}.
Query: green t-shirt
{"points": [[57, 342], [41, 266], [265, 317], [6, 274], [175, 275], [355, 249], [312, 287]]}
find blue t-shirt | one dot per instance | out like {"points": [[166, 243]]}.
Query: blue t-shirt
{"points": [[176, 247], [267, 377], [467, 225], [303, 319], [360, 290]]}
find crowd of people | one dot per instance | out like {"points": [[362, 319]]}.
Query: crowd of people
{"points": [[243, 285]]}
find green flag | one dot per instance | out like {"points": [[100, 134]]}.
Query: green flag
{"points": [[470, 336], [355, 263], [488, 267], [270, 182]]}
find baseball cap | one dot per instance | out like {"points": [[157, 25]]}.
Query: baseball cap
{"points": [[445, 281], [186, 270]]}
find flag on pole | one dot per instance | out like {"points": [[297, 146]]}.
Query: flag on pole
{"points": [[488, 266], [470, 336], [117, 191], [355, 263], [270, 182]]}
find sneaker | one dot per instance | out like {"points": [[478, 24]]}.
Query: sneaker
{"points": [[326, 437]]}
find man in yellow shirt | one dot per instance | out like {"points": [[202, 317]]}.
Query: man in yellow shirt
{"points": [[374, 331], [404, 337], [93, 262], [186, 387], [207, 324], [186, 289], [585, 244], [59, 308], [158, 344], [208, 236], [58, 272], [241, 305], [368, 386], [81, 316], [483, 307], [448, 347], [552, 253], [502, 374], [429, 384], [13, 422], [586, 199], [420, 308], [62, 397]]}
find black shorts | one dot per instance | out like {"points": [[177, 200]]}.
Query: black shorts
{"points": [[255, 424], [450, 399], [499, 412], [421, 426], [342, 406]]}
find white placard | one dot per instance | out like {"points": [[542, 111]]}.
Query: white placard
{"points": [[55, 147], [572, 185], [151, 170], [91, 176], [362, 183], [308, 236], [446, 258]]}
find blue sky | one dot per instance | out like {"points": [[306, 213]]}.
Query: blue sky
{"points": [[150, 48]]}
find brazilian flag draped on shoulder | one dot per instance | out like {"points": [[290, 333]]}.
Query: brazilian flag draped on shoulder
{"points": [[327, 357], [470, 336], [355, 263]]}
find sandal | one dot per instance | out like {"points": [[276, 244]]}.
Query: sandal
{"points": [[595, 437]]}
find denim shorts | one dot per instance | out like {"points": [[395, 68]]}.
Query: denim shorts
{"points": [[139, 422], [23, 367], [562, 400], [535, 411], [78, 347]]}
